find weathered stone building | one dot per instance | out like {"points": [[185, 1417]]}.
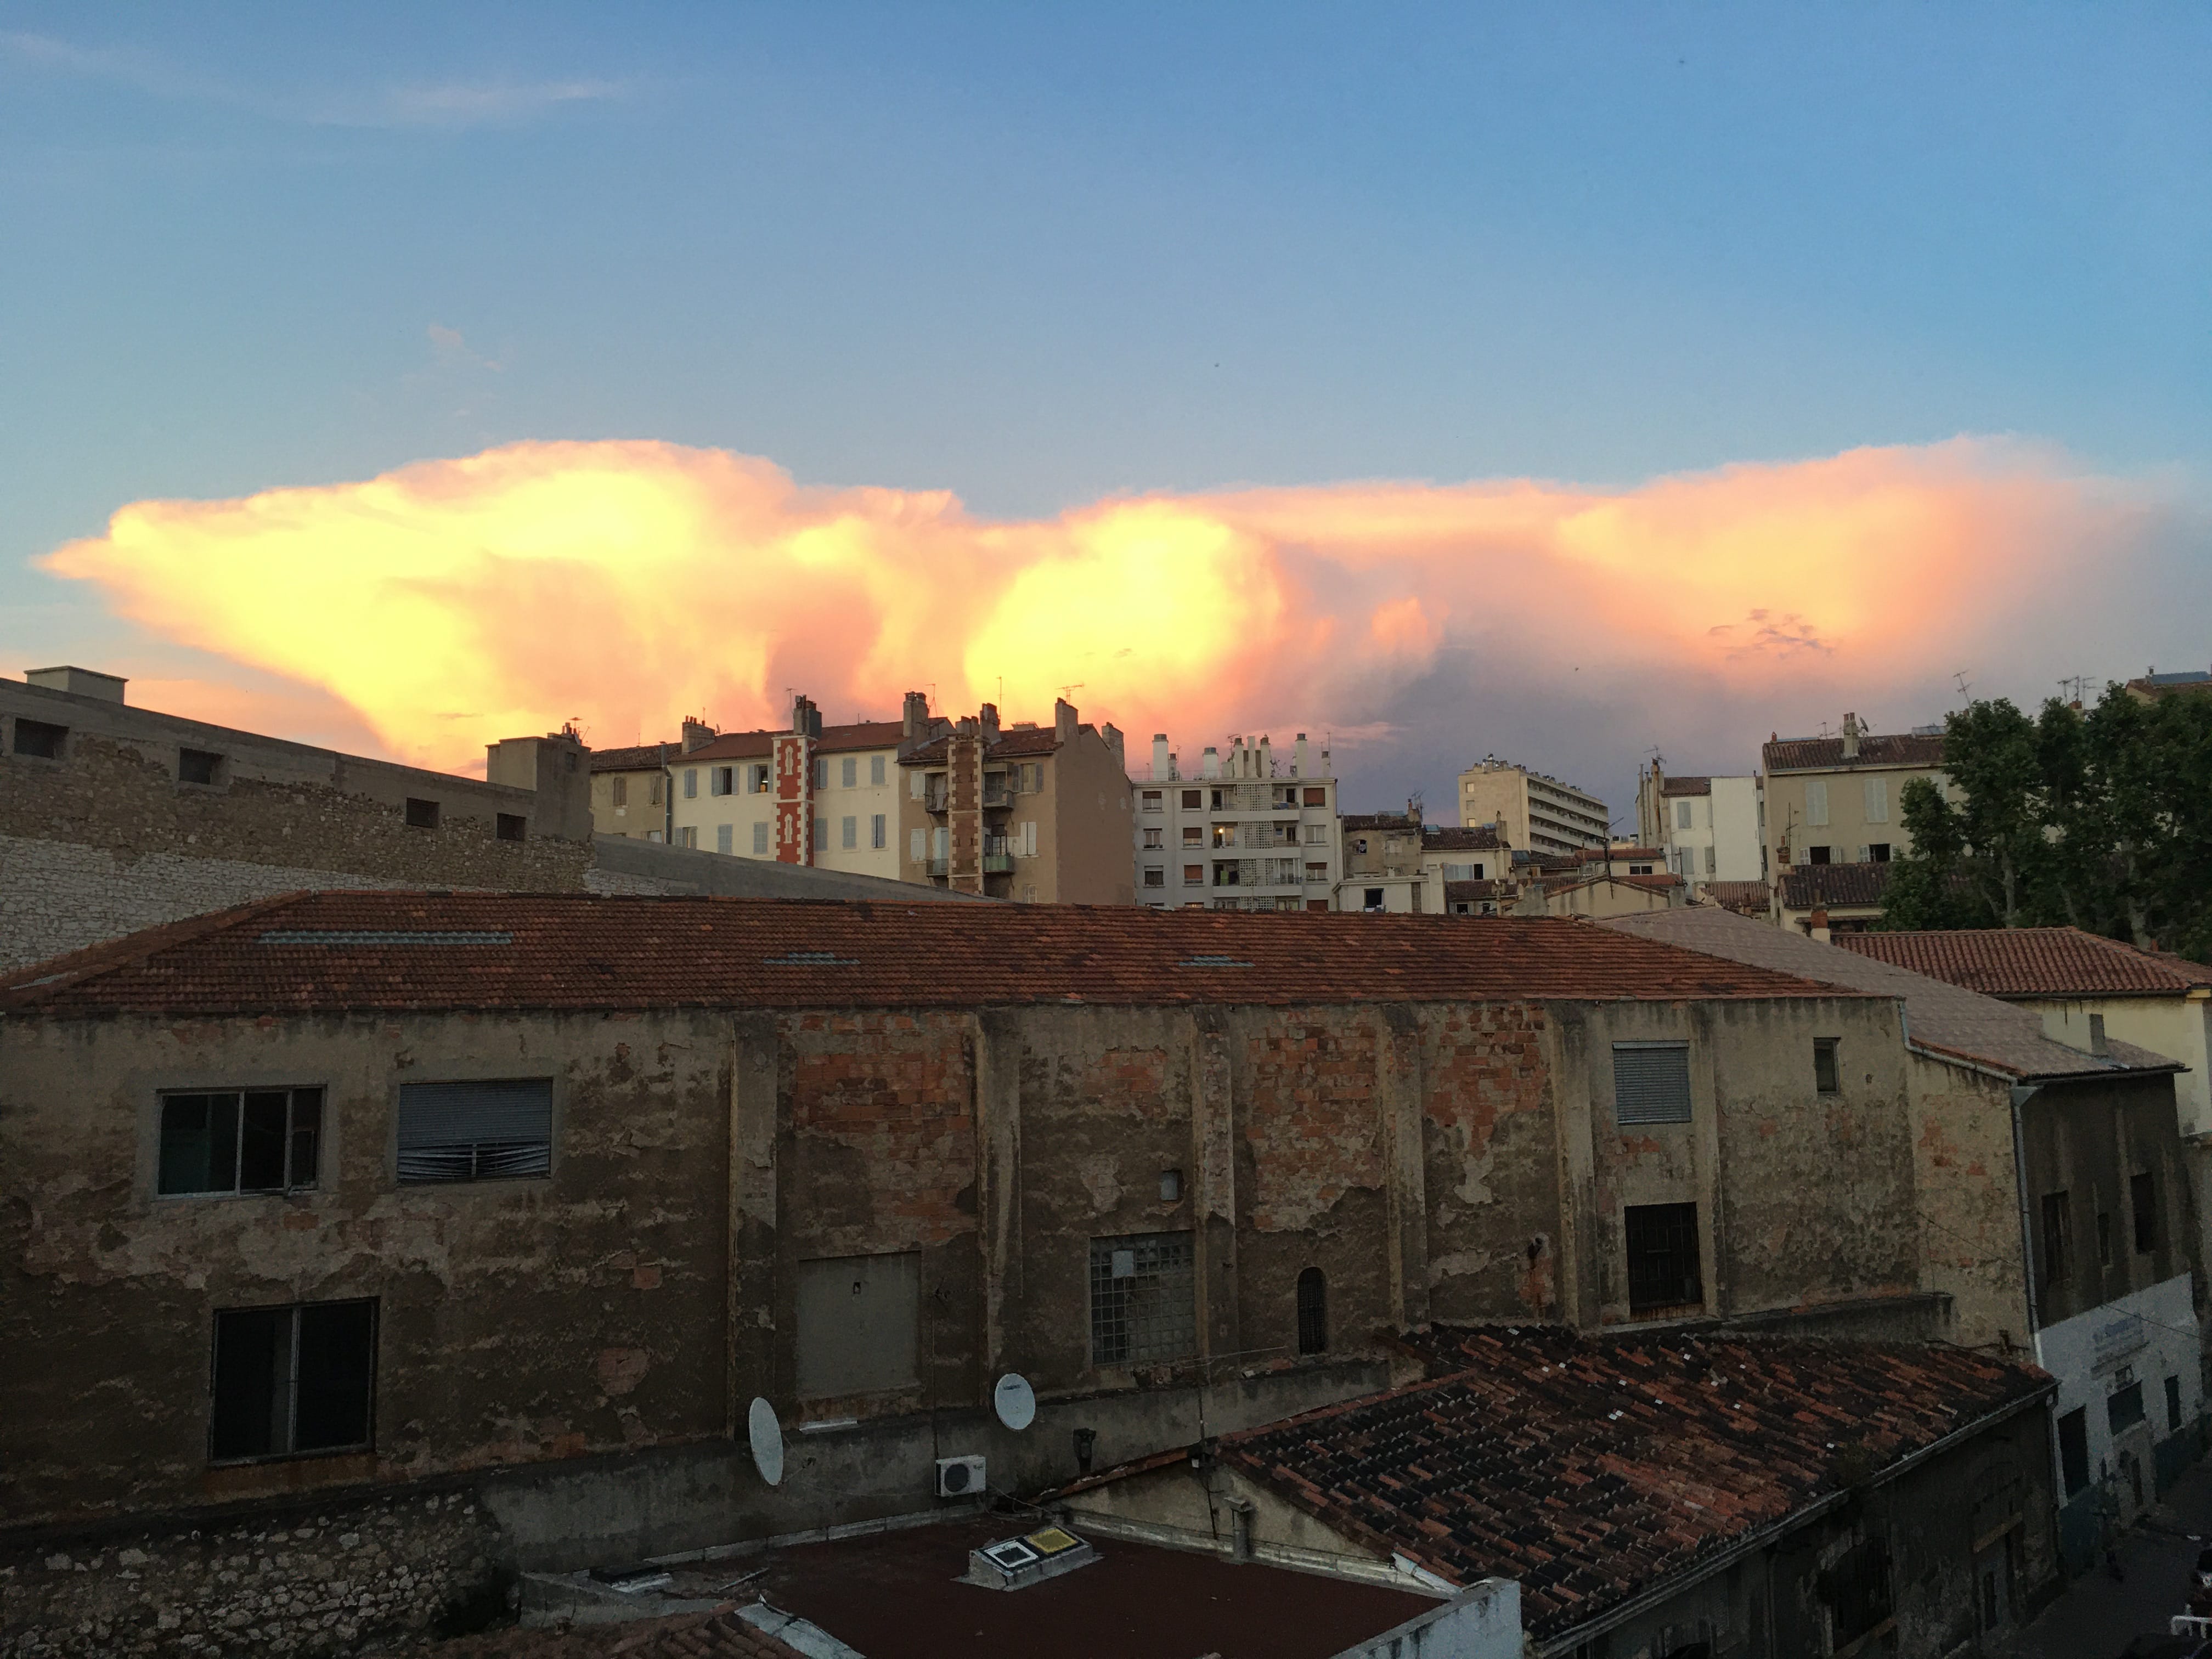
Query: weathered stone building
{"points": [[350, 1194]]}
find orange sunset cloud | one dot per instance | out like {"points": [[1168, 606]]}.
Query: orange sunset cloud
{"points": [[628, 584]]}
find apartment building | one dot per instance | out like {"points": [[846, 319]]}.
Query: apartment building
{"points": [[1709, 829], [1243, 834], [824, 796], [1396, 864], [1533, 810], [1034, 813], [1836, 799], [629, 786]]}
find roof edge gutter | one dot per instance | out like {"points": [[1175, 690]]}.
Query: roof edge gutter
{"points": [[2021, 1093]]}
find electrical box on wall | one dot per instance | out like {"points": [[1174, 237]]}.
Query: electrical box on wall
{"points": [[960, 1477]]}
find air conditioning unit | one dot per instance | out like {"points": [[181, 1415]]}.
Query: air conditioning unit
{"points": [[960, 1477]]}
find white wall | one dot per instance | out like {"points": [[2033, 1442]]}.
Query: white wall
{"points": [[2180, 1028], [1738, 840], [2145, 1337]]}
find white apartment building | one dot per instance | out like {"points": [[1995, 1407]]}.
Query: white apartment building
{"points": [[723, 797], [1532, 810], [1244, 834], [1711, 829]]}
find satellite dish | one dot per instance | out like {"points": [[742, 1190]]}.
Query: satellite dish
{"points": [[767, 1437], [1015, 1401]]}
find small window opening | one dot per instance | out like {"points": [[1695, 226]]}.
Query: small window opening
{"points": [[1825, 1077], [1662, 1257], [233, 1141], [198, 766], [39, 740], [422, 814], [511, 826], [1313, 1311], [1170, 1185], [2142, 1199], [2057, 1239], [291, 1380]]}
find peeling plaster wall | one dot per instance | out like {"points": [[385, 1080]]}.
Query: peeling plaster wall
{"points": [[1964, 1176]]}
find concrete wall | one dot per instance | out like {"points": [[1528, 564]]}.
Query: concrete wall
{"points": [[1965, 1185], [2179, 1027], [1848, 828], [1083, 820]]}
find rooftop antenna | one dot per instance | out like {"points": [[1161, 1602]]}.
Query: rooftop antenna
{"points": [[2077, 684], [1959, 675], [1067, 692]]}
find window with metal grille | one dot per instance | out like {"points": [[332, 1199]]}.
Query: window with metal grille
{"points": [[1650, 1083], [486, 1130], [1313, 1311], [1143, 1306], [294, 1380], [2142, 1199], [1662, 1257], [239, 1140]]}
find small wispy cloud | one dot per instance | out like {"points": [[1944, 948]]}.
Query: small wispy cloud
{"points": [[423, 105]]}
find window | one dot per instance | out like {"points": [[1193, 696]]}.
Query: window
{"points": [[240, 1141], [940, 843], [848, 832], [688, 835], [422, 814], [2173, 1405], [293, 1380], [1650, 1083], [917, 848], [917, 786], [1359, 846], [690, 783], [1313, 1311], [1156, 838], [756, 780], [879, 832], [1825, 1079], [848, 773], [821, 835], [198, 766], [1372, 898], [1033, 777], [2074, 1449], [1170, 1185], [822, 772], [859, 1317], [1225, 835], [1711, 857], [726, 838], [1192, 800], [1816, 855], [1142, 1308], [1316, 872], [1662, 1257], [39, 740], [1816, 802], [1316, 835], [2143, 1199], [619, 791], [1317, 795], [1877, 800], [2124, 1407], [1878, 853], [1193, 834], [2105, 1238], [1150, 801], [760, 838], [475, 1131], [1194, 875], [1681, 815], [510, 826], [718, 780], [2058, 1242], [1155, 876], [653, 789], [875, 768]]}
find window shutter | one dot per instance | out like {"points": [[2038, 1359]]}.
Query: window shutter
{"points": [[1029, 839], [475, 1131], [1877, 800], [1816, 802], [914, 845], [1650, 1083]]}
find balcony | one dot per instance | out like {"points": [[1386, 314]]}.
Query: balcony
{"points": [[996, 795], [998, 855], [940, 866], [932, 795]]}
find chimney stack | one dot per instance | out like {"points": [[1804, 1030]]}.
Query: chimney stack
{"points": [[914, 722], [986, 720], [805, 717], [1210, 766], [697, 734], [1063, 720], [1163, 764], [1851, 729], [1112, 733], [1298, 768]]}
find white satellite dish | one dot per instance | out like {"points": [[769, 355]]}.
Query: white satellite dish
{"points": [[767, 1436], [1015, 1401]]}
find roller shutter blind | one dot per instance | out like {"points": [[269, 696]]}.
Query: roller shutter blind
{"points": [[1651, 1082], [475, 1131]]}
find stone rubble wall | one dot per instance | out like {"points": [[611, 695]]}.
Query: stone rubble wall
{"points": [[338, 1577]]}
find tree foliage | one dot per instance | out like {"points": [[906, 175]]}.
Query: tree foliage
{"points": [[2099, 818]]}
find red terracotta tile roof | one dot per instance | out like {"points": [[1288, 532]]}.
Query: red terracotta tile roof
{"points": [[1376, 821], [718, 1635], [1457, 838], [2036, 961], [331, 950], [1827, 754], [1686, 787], [1836, 886], [1591, 1468], [1746, 897], [1470, 891], [1620, 855], [758, 746], [640, 757]]}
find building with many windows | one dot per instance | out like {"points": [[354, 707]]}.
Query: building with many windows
{"points": [[1710, 828], [1532, 810], [1839, 800], [839, 793], [1247, 834]]}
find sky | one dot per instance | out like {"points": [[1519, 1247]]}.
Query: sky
{"points": [[1563, 383]]}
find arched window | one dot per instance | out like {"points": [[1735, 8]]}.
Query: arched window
{"points": [[1313, 1312]]}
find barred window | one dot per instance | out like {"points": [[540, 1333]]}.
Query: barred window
{"points": [[1143, 1304], [1650, 1083], [475, 1131], [1313, 1311]]}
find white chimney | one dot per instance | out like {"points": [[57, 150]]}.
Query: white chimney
{"points": [[1163, 763], [1210, 766], [1299, 763]]}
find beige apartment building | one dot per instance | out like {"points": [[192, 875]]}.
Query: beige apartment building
{"points": [[1034, 813], [1837, 801], [1532, 810], [842, 803]]}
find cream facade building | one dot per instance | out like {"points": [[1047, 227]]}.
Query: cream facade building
{"points": [[724, 798], [1710, 828], [1533, 810], [1246, 832], [1839, 800]]}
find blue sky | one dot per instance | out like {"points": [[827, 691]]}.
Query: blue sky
{"points": [[1036, 255]]}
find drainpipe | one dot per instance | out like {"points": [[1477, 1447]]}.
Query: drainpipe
{"points": [[2021, 1094], [1240, 1516]]}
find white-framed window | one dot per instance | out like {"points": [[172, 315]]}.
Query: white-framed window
{"points": [[1151, 802], [1316, 835], [760, 838], [1155, 876], [1156, 838], [917, 783]]}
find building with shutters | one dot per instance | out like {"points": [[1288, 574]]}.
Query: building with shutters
{"points": [[1708, 828], [1838, 801], [558, 1185], [1247, 833]]}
